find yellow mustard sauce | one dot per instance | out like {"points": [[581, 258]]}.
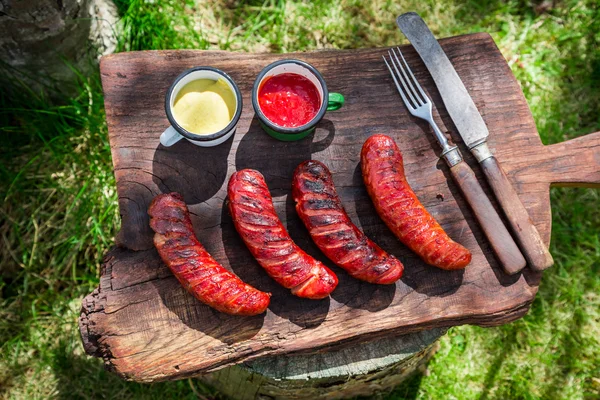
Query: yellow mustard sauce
{"points": [[204, 106]]}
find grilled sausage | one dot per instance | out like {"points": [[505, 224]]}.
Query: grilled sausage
{"points": [[400, 209], [321, 211], [191, 264], [256, 221]]}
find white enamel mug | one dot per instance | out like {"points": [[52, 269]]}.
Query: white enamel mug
{"points": [[176, 132]]}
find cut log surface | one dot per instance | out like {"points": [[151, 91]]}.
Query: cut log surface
{"points": [[361, 370], [148, 328]]}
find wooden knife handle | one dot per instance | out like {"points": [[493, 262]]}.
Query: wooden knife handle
{"points": [[526, 234], [504, 246]]}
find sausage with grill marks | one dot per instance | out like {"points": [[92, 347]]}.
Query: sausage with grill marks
{"points": [[401, 210], [191, 264], [255, 219], [321, 211]]}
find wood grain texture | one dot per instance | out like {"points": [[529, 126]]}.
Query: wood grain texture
{"points": [[526, 234], [504, 246], [147, 327], [361, 370]]}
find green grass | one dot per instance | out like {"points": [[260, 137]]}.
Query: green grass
{"points": [[59, 212]]}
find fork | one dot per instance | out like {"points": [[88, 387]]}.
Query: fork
{"points": [[420, 106]]}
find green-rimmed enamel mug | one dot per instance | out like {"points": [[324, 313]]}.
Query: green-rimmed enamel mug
{"points": [[329, 101]]}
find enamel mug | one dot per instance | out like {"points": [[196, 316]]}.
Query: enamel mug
{"points": [[176, 132], [329, 101]]}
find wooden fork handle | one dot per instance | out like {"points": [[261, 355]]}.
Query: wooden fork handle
{"points": [[526, 234], [502, 243]]}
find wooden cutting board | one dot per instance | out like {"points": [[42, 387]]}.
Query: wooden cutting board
{"points": [[148, 328]]}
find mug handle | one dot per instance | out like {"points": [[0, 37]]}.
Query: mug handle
{"points": [[169, 137], [335, 101]]}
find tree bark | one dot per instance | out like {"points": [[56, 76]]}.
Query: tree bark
{"points": [[42, 42]]}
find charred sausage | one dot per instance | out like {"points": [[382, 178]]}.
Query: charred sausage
{"points": [[256, 221], [400, 209], [321, 211], [191, 264]]}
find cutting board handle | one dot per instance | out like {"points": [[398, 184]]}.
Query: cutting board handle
{"points": [[575, 162]]}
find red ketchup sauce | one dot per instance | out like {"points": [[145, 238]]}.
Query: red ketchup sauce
{"points": [[289, 100]]}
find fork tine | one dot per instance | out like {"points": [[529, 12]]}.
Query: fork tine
{"points": [[406, 102], [402, 68], [403, 81], [413, 77]]}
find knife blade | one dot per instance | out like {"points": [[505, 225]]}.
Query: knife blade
{"points": [[474, 132]]}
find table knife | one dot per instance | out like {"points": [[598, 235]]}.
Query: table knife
{"points": [[474, 132], [420, 105]]}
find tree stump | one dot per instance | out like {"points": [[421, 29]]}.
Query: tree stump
{"points": [[359, 370]]}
